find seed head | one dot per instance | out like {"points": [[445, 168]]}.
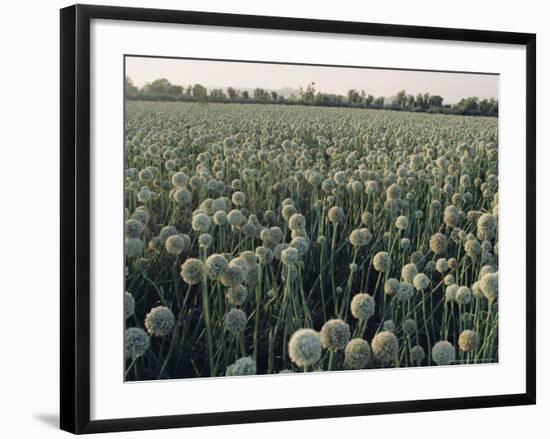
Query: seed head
{"points": [[382, 261], [438, 243], [385, 346], [336, 215], [243, 366], [159, 321], [362, 306], [136, 342], [357, 354], [304, 347], [335, 334], [421, 281], [235, 320], [129, 305], [192, 271], [443, 353], [489, 286], [468, 341]]}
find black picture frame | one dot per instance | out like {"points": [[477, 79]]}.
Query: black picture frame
{"points": [[75, 217]]}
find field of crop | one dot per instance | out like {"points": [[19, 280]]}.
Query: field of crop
{"points": [[276, 239]]}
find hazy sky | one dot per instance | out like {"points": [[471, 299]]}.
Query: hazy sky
{"points": [[378, 82]]}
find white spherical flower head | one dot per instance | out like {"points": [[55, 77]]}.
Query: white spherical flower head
{"points": [[443, 353], [205, 240], [463, 295], [340, 178], [238, 198], [129, 305], [301, 244], [235, 321], [393, 192], [179, 179], [417, 355], [182, 196], [409, 327], [335, 334], [486, 226], [357, 354], [192, 271], [215, 265], [468, 341], [236, 218], [290, 256], [485, 270], [450, 216], [336, 215], [220, 218], [381, 261], [450, 293], [408, 272], [133, 247], [362, 306], [175, 244], [438, 243], [385, 346], [200, 222], [304, 347], [264, 255], [159, 321], [402, 222], [405, 292], [166, 232], [360, 237], [441, 265], [421, 282], [489, 286], [134, 228], [142, 215], [233, 276], [404, 243], [136, 342], [297, 222], [391, 286], [449, 280], [237, 295], [243, 366]]}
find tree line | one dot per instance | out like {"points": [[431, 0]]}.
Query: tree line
{"points": [[162, 90]]}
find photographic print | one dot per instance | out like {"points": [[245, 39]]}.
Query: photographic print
{"points": [[291, 218]]}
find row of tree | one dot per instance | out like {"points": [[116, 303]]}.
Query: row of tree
{"points": [[163, 90]]}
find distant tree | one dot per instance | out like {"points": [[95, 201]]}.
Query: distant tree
{"points": [[218, 94], [199, 92], [488, 107], [378, 102], [468, 106], [161, 87], [308, 95], [232, 93], [130, 90], [261, 95], [245, 94], [369, 100], [354, 98], [435, 101], [410, 102], [419, 101], [401, 99], [274, 96]]}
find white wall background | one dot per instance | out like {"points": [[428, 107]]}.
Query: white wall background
{"points": [[29, 249]]}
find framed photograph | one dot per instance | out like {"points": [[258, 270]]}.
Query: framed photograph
{"points": [[273, 218]]}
